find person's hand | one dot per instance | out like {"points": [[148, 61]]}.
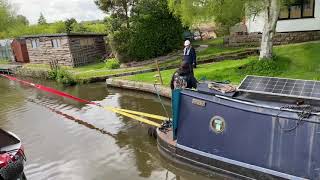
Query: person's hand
{"points": [[194, 65]]}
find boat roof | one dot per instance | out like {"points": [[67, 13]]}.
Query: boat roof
{"points": [[283, 87]]}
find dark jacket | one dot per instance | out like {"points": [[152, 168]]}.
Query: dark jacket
{"points": [[190, 56], [183, 78]]}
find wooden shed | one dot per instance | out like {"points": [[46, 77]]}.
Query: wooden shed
{"points": [[20, 51]]}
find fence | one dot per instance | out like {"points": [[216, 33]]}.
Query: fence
{"points": [[5, 50]]}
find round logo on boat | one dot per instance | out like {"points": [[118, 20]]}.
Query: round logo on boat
{"points": [[217, 124]]}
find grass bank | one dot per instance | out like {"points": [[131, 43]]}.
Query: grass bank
{"points": [[3, 61], [300, 61], [84, 73]]}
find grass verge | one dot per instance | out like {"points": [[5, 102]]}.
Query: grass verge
{"points": [[298, 61]]}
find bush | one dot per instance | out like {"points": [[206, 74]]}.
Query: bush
{"points": [[272, 67], [52, 74], [153, 31], [119, 43], [112, 63], [62, 76], [156, 31]]}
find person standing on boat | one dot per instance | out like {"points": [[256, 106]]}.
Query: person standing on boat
{"points": [[189, 55], [183, 78]]}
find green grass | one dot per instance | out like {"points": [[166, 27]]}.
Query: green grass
{"points": [[105, 72], [3, 61], [215, 47], [37, 66], [84, 72], [217, 71], [210, 42], [298, 61]]}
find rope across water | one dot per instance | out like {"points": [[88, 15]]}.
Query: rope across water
{"points": [[135, 115]]}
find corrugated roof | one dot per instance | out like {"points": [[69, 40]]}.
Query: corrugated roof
{"points": [[63, 34]]}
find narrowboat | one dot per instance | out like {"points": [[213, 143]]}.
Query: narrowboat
{"points": [[267, 128], [12, 157]]}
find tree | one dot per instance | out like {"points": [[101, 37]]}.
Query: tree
{"points": [[120, 8], [271, 15], [155, 30], [224, 13], [231, 12], [9, 20], [80, 27], [22, 19], [42, 20], [5, 15], [70, 24]]}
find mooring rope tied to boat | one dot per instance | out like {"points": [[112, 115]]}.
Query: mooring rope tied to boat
{"points": [[135, 115], [153, 116]]}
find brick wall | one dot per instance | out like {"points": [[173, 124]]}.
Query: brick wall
{"points": [[86, 50], [45, 52], [254, 39]]}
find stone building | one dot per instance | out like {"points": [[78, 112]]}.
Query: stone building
{"points": [[73, 49], [298, 22]]}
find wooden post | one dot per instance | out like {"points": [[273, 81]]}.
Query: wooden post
{"points": [[160, 77]]}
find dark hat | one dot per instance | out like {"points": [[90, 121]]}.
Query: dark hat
{"points": [[184, 68]]}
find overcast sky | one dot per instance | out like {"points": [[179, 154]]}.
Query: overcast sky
{"points": [[55, 10]]}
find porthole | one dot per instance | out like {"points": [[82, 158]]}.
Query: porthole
{"points": [[217, 124]]}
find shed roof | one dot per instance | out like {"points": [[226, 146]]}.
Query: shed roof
{"points": [[63, 34]]}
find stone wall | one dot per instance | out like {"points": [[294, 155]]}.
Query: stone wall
{"points": [[45, 52], [254, 39], [139, 86], [87, 49]]}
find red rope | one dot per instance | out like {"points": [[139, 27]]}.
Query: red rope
{"points": [[48, 89]]}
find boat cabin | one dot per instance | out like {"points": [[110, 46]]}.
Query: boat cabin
{"points": [[266, 128]]}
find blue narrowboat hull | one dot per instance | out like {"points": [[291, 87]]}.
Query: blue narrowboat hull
{"points": [[252, 142]]}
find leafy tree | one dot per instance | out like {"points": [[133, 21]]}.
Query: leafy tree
{"points": [[120, 8], [70, 24], [42, 20], [79, 27], [22, 20], [155, 30], [230, 12], [8, 19], [5, 15]]}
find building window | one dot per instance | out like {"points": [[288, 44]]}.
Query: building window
{"points": [[86, 42], [56, 43], [297, 10], [35, 43]]}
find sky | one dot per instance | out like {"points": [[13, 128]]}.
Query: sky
{"points": [[55, 10]]}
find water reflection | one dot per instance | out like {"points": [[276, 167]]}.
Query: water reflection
{"points": [[69, 140]]}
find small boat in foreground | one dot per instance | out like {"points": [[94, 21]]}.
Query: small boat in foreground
{"points": [[12, 157], [267, 128]]}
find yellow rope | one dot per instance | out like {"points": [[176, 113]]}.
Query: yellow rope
{"points": [[153, 116], [137, 118]]}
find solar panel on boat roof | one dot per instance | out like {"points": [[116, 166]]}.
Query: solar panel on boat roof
{"points": [[281, 87]]}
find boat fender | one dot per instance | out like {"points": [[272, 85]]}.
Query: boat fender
{"points": [[152, 132]]}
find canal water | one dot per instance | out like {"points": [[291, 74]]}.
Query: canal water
{"points": [[64, 139]]}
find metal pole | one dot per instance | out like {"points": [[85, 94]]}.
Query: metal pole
{"points": [[157, 64]]}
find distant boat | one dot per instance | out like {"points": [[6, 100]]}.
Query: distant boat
{"points": [[12, 157], [267, 128]]}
